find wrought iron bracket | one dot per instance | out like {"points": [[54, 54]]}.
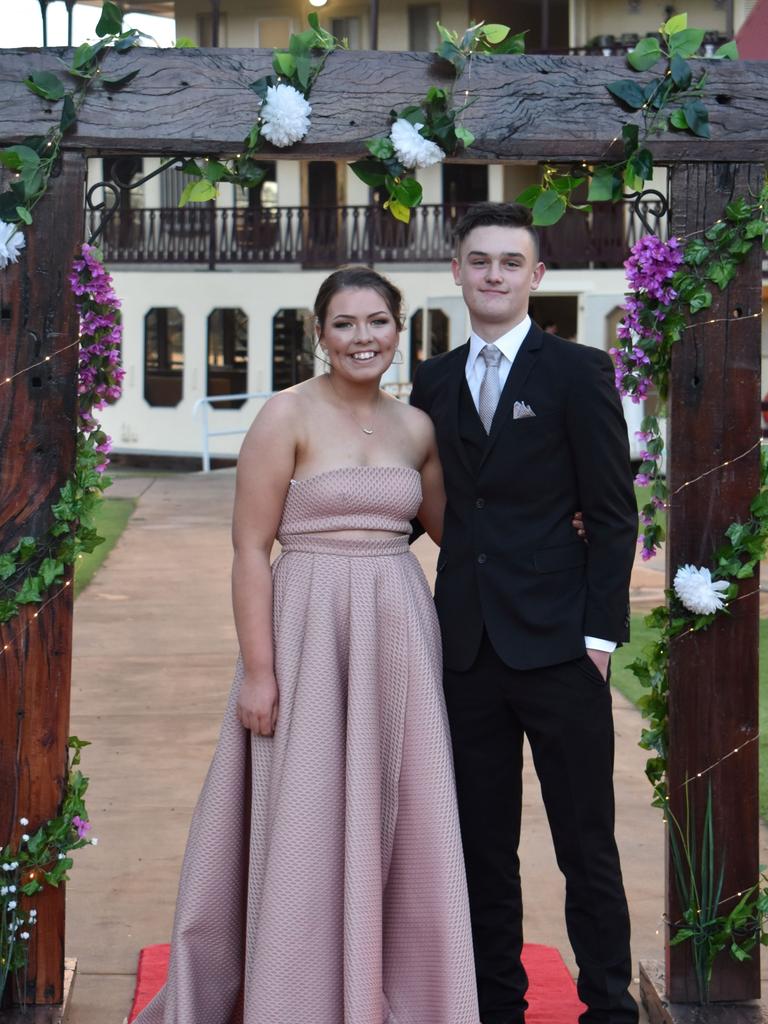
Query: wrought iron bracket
{"points": [[642, 203], [114, 188]]}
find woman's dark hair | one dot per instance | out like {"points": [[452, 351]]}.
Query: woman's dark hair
{"points": [[505, 215], [358, 277]]}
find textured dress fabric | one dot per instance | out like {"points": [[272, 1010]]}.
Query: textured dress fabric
{"points": [[323, 881]]}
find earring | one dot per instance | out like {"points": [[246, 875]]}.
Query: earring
{"points": [[395, 360]]}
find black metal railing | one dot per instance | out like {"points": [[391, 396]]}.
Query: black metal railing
{"points": [[329, 236]]}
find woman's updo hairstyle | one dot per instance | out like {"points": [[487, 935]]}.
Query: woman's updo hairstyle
{"points": [[358, 277]]}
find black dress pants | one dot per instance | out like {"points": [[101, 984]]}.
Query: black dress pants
{"points": [[565, 711]]}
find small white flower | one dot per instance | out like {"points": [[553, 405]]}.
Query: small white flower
{"points": [[12, 905], [62, 856], [696, 590], [284, 115], [23, 821], [11, 243], [32, 916], [25, 838], [412, 149], [11, 888], [25, 935], [3, 890], [94, 841], [6, 867], [14, 865]]}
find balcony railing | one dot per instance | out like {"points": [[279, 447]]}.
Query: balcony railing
{"points": [[330, 236]]}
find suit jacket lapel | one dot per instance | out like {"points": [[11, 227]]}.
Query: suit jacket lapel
{"points": [[524, 362], [456, 377]]}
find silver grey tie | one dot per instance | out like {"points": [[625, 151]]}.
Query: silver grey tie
{"points": [[490, 387]]}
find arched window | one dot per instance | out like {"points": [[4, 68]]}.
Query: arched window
{"points": [[227, 355], [429, 334], [293, 356], [163, 356]]}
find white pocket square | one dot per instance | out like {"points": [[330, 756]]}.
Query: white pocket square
{"points": [[521, 411]]}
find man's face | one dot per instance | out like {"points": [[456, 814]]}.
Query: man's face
{"points": [[497, 270]]}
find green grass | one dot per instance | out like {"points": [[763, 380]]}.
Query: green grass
{"points": [[643, 496], [627, 684], [111, 519]]}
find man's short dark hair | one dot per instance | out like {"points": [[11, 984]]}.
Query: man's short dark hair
{"points": [[505, 215]]}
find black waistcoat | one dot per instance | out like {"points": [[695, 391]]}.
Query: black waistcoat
{"points": [[471, 430]]}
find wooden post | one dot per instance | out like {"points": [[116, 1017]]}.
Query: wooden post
{"points": [[37, 441], [713, 675]]}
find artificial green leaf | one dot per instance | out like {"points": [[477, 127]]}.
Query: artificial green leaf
{"points": [[118, 83], [628, 92], [184, 43], [645, 54], [451, 52], [529, 195], [722, 271], [755, 229], [68, 114], [7, 566], [304, 68], [45, 84], [214, 170], [381, 147], [642, 164], [407, 191], [197, 192], [16, 158], [680, 70], [513, 44], [738, 210], [675, 24], [697, 118], [697, 252], [686, 43], [446, 34], [371, 172], [701, 299], [128, 40], [30, 591], [111, 20], [728, 51], [24, 214], [678, 120], [495, 33], [260, 87], [548, 208], [284, 63], [464, 135], [398, 211], [630, 134]]}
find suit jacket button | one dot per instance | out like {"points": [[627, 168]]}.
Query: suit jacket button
{"points": [[479, 502], [482, 559]]}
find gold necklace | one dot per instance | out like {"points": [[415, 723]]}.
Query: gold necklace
{"points": [[366, 430]]}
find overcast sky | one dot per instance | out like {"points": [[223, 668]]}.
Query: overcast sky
{"points": [[21, 24]]}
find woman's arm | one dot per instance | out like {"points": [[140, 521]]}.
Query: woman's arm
{"points": [[432, 510], [264, 470]]}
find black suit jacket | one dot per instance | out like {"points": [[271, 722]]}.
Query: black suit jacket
{"points": [[510, 560]]}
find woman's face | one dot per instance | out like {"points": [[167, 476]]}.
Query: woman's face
{"points": [[360, 334]]}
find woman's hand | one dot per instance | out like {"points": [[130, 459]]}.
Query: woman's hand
{"points": [[578, 524], [257, 703]]}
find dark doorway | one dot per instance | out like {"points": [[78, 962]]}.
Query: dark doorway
{"points": [[323, 214], [546, 21]]}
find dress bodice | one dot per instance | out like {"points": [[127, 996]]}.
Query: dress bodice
{"points": [[352, 498]]}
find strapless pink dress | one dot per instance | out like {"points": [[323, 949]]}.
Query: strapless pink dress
{"points": [[323, 881]]}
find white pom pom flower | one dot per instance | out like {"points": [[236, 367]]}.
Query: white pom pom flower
{"points": [[12, 241], [412, 149], [284, 116], [696, 590]]}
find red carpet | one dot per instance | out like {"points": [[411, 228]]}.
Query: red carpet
{"points": [[551, 995]]}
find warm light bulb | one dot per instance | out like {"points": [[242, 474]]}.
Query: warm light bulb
{"points": [[318, 3]]}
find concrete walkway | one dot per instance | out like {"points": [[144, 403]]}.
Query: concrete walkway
{"points": [[154, 652]]}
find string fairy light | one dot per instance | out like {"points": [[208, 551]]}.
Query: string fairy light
{"points": [[722, 320], [40, 362], [720, 760], [25, 629], [714, 469]]}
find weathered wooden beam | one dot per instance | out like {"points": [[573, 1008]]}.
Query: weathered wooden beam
{"points": [[37, 449], [523, 108], [713, 675]]}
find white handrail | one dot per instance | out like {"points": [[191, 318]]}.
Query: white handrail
{"points": [[398, 389], [208, 400]]}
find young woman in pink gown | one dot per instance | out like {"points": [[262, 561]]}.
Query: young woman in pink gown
{"points": [[323, 881]]}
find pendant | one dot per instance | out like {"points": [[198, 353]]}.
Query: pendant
{"points": [[366, 430]]}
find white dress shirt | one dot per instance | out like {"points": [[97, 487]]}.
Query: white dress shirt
{"points": [[509, 345]]}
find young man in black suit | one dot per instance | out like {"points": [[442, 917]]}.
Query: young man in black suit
{"points": [[530, 428]]}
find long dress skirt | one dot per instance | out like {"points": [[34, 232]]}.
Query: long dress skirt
{"points": [[323, 881]]}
